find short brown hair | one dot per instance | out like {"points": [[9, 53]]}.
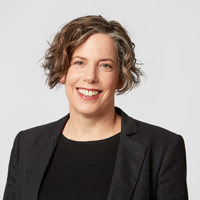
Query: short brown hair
{"points": [[58, 56]]}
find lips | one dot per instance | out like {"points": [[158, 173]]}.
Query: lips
{"points": [[88, 93]]}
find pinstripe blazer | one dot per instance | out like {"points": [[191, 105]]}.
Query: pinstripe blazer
{"points": [[150, 162]]}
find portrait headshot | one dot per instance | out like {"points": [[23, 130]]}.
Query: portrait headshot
{"points": [[98, 102]]}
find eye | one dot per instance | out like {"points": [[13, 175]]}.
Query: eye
{"points": [[106, 67], [78, 63]]}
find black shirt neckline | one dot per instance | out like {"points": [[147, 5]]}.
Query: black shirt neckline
{"points": [[65, 139]]}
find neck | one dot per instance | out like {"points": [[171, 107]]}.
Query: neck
{"points": [[96, 127]]}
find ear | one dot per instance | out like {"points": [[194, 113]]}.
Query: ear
{"points": [[62, 80]]}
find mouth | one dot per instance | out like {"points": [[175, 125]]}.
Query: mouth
{"points": [[88, 93]]}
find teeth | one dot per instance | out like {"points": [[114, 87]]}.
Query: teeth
{"points": [[88, 93]]}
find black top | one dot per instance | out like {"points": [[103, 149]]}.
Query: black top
{"points": [[80, 170]]}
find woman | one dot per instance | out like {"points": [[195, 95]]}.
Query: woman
{"points": [[96, 151]]}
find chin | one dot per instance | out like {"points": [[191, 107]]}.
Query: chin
{"points": [[87, 109], [91, 109], [90, 112]]}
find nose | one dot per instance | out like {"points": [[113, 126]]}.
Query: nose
{"points": [[91, 74]]}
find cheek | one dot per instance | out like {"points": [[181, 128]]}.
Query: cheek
{"points": [[110, 82], [72, 77]]}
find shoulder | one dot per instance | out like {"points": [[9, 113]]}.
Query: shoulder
{"points": [[36, 134], [156, 137], [146, 133], [153, 130]]}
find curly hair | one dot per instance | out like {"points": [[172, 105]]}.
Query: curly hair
{"points": [[58, 56]]}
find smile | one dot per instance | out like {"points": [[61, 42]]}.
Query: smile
{"points": [[88, 93]]}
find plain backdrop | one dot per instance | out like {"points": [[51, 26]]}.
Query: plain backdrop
{"points": [[167, 38]]}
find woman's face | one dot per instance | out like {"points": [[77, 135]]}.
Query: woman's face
{"points": [[93, 76]]}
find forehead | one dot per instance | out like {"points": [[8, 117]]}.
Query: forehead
{"points": [[99, 45]]}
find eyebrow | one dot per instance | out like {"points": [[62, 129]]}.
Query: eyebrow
{"points": [[103, 59], [79, 57], [107, 59]]}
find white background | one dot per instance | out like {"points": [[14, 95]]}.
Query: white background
{"points": [[167, 38]]}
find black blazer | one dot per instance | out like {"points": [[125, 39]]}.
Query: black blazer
{"points": [[150, 162]]}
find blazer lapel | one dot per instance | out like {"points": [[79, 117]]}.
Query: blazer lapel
{"points": [[39, 160], [128, 162]]}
